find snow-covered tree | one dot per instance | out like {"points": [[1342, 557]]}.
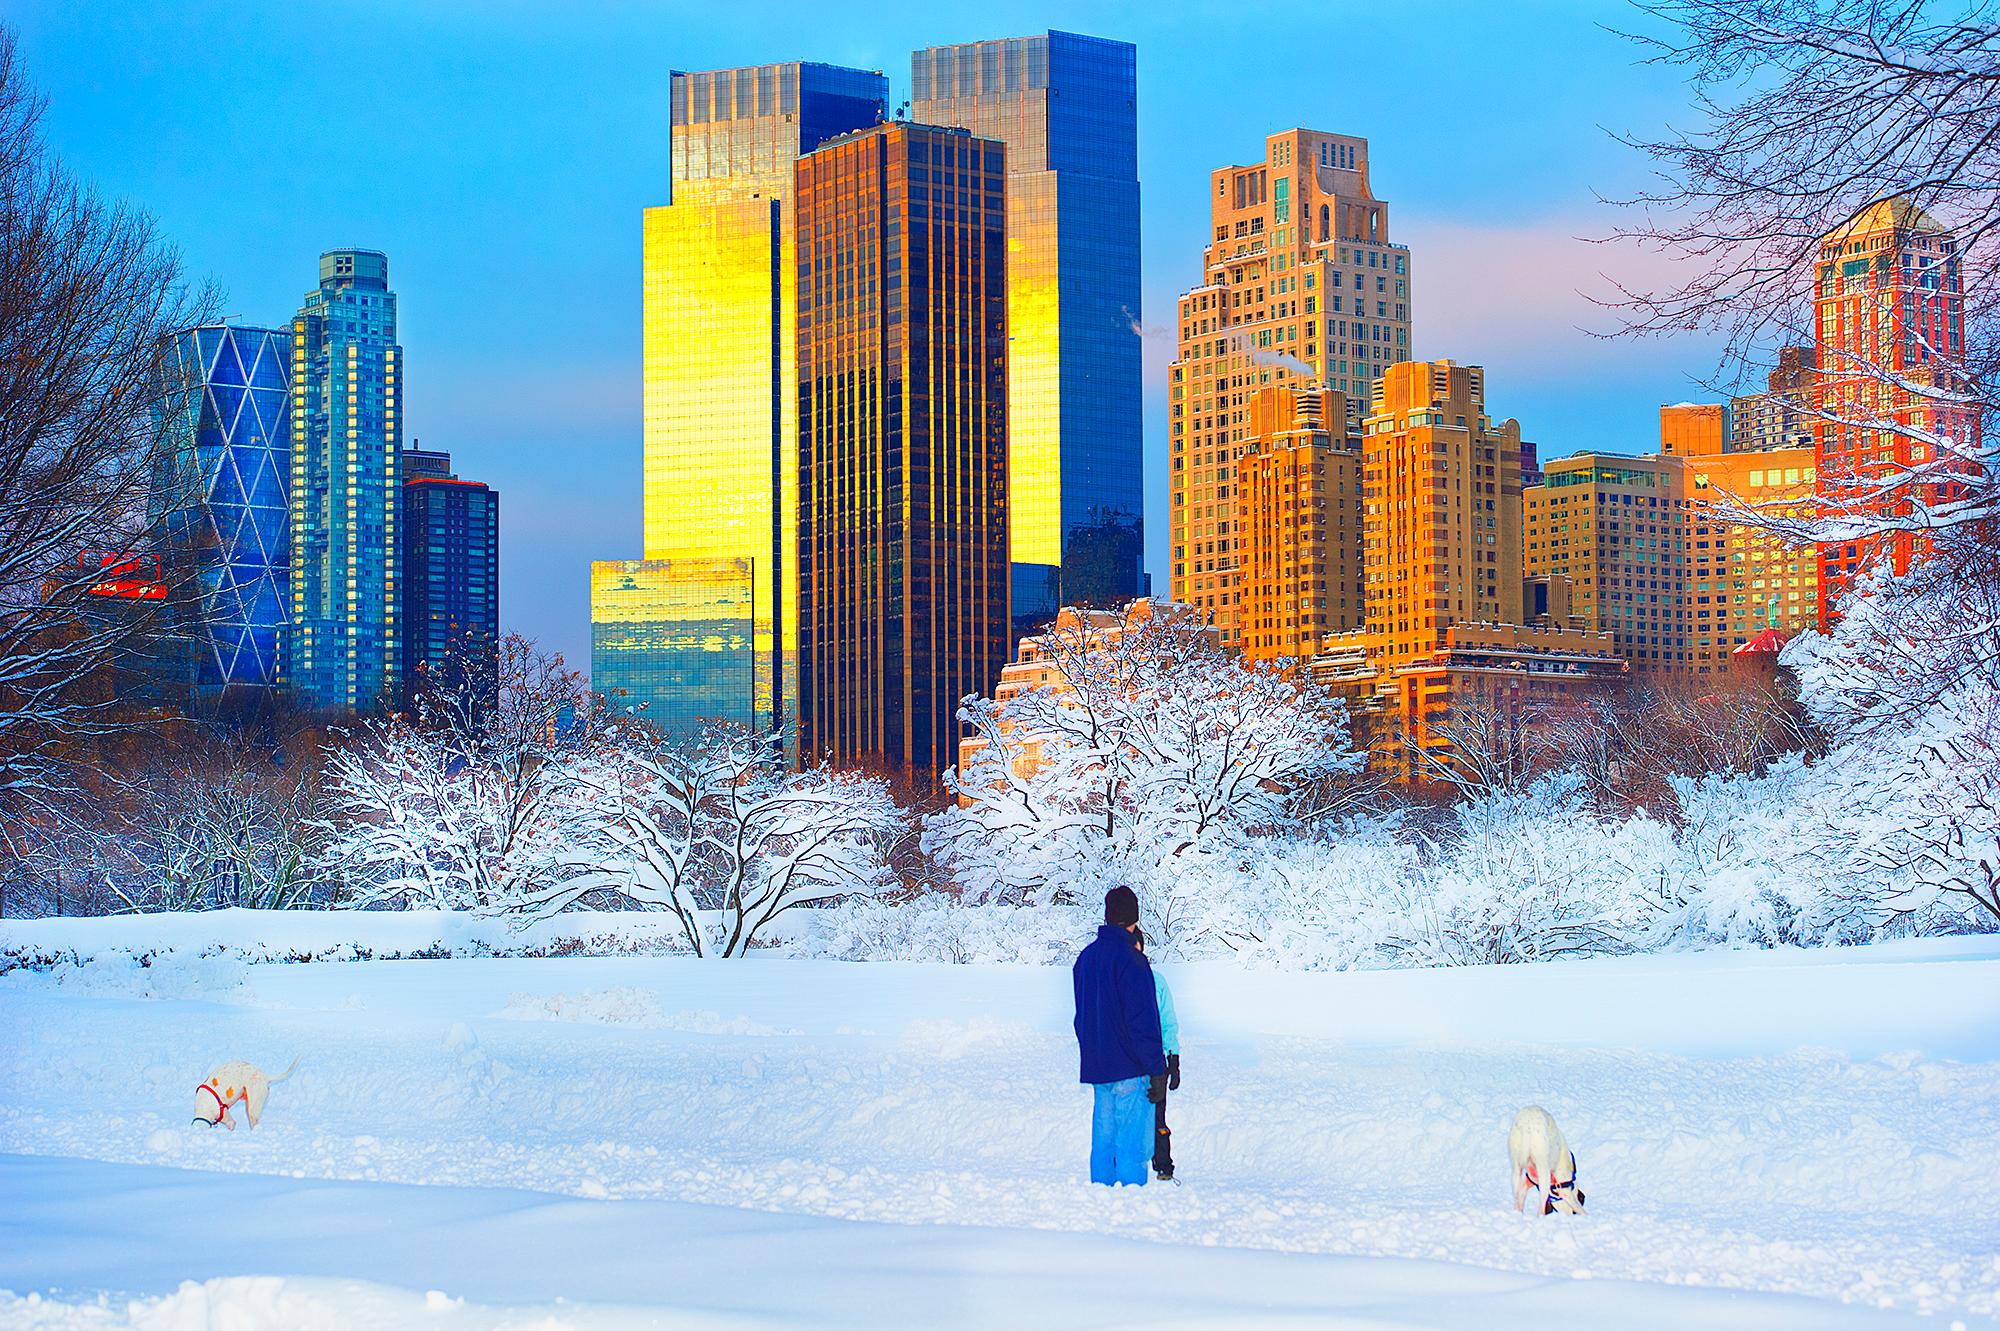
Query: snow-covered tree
{"points": [[87, 289], [460, 804], [1147, 743], [719, 832], [220, 828]]}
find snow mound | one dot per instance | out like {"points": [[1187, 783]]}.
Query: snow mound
{"points": [[172, 974], [624, 1005], [960, 1039], [247, 1303]]}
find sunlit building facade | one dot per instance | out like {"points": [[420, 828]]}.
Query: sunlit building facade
{"points": [[344, 653], [1066, 107], [1298, 507], [1301, 286], [1694, 427], [1449, 627], [1745, 580], [1443, 494], [902, 361], [719, 328], [217, 502], [451, 578], [1889, 307]]}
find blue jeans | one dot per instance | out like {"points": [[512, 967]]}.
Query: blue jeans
{"points": [[1121, 1132]]}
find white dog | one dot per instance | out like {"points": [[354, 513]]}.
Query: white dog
{"points": [[234, 1083], [1543, 1163]]}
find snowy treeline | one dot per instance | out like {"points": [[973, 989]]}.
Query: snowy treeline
{"points": [[1228, 795]]}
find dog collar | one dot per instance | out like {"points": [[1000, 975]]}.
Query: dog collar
{"points": [[221, 1105]]}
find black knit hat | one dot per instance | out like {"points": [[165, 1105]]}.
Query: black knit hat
{"points": [[1121, 906]]}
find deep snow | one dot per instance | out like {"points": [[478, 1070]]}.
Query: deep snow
{"points": [[1823, 1126]]}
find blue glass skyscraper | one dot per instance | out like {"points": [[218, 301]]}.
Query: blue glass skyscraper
{"points": [[1066, 107], [218, 502], [345, 650], [451, 578]]}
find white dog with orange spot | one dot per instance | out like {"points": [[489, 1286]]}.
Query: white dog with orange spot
{"points": [[1543, 1163], [235, 1083]]}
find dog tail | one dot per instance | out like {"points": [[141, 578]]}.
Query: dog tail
{"points": [[287, 1072]]}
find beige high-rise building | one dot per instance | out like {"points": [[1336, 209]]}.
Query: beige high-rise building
{"points": [[1301, 287], [1443, 495], [1618, 528], [1654, 560], [1298, 508], [1447, 624], [1778, 417]]}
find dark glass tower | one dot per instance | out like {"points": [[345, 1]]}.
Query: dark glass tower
{"points": [[1066, 107], [345, 650], [217, 501], [902, 453], [451, 578]]}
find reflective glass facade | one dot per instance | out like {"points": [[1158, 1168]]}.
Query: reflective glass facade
{"points": [[902, 525], [217, 500], [451, 576], [670, 639], [1066, 107], [721, 429], [345, 651]]}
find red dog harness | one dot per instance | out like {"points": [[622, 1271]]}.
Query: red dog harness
{"points": [[1554, 1186], [221, 1105]]}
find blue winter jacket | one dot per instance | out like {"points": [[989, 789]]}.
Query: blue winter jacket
{"points": [[1170, 1025], [1117, 1010]]}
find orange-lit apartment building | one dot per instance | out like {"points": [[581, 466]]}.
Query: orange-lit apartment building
{"points": [[1694, 427], [1617, 528], [1443, 624], [1298, 515], [1743, 580], [1654, 560], [1443, 495], [1889, 306], [1301, 287]]}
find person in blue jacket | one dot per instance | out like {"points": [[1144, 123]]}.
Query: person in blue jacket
{"points": [[1170, 1039], [1118, 1039]]}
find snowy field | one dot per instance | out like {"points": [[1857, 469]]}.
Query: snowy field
{"points": [[1768, 1140]]}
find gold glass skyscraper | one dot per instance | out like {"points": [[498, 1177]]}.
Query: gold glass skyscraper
{"points": [[705, 627], [1066, 107]]}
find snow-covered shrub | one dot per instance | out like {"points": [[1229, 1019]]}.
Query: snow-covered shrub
{"points": [[1743, 852], [465, 802], [940, 927]]}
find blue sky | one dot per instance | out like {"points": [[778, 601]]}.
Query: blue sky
{"points": [[501, 154]]}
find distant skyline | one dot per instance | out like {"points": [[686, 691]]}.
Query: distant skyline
{"points": [[501, 156]]}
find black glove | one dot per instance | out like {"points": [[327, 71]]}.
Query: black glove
{"points": [[1173, 1072], [1156, 1089]]}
